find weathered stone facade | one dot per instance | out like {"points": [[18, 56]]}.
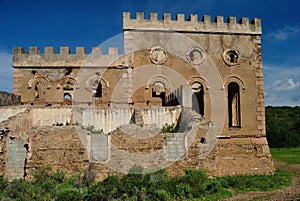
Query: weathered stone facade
{"points": [[206, 77]]}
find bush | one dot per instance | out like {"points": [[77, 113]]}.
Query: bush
{"points": [[58, 176], [69, 195], [42, 174], [89, 175], [195, 184], [163, 195], [25, 191], [167, 128], [213, 187], [3, 183], [197, 179]]}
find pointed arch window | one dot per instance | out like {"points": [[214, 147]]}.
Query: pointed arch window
{"points": [[234, 108]]}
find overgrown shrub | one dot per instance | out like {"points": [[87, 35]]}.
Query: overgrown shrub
{"points": [[167, 128], [92, 129], [89, 175], [42, 174], [195, 184], [3, 183], [69, 195]]}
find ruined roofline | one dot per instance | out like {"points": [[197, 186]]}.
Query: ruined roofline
{"points": [[193, 24], [33, 58]]}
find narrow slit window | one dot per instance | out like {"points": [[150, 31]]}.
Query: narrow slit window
{"points": [[98, 93], [234, 108]]}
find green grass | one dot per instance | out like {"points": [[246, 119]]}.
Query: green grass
{"points": [[287, 155], [244, 183]]}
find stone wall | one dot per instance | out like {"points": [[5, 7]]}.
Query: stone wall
{"points": [[13, 140], [44, 116], [109, 119], [58, 147], [9, 99], [243, 156], [28, 145], [9, 111]]}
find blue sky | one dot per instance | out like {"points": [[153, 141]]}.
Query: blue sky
{"points": [[89, 23]]}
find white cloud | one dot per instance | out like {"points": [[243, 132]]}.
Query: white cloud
{"points": [[282, 86], [286, 84], [285, 33], [6, 70]]}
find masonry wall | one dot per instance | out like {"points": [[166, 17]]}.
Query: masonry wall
{"points": [[8, 99], [214, 39], [14, 132], [179, 54], [9, 111]]}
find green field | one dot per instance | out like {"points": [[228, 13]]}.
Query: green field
{"points": [[287, 155]]}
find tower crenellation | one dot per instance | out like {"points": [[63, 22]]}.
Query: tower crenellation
{"points": [[192, 24], [34, 58]]}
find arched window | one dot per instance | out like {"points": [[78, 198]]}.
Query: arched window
{"points": [[159, 90], [98, 93], [198, 97], [67, 96], [234, 110]]}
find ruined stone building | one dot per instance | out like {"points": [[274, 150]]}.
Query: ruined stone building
{"points": [[119, 110]]}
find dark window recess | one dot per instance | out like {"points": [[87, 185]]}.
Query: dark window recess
{"points": [[98, 93], [234, 110]]}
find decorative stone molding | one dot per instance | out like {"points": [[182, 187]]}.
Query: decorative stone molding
{"points": [[158, 55], [196, 56], [231, 57]]}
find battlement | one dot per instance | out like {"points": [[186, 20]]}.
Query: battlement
{"points": [[33, 58], [192, 24]]}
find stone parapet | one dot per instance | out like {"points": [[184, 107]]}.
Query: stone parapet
{"points": [[33, 58], [192, 24]]}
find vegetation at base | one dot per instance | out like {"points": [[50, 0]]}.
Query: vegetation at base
{"points": [[92, 129], [194, 185], [282, 178], [167, 128], [283, 126], [290, 156]]}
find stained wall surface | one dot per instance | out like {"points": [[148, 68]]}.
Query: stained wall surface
{"points": [[203, 75]]}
